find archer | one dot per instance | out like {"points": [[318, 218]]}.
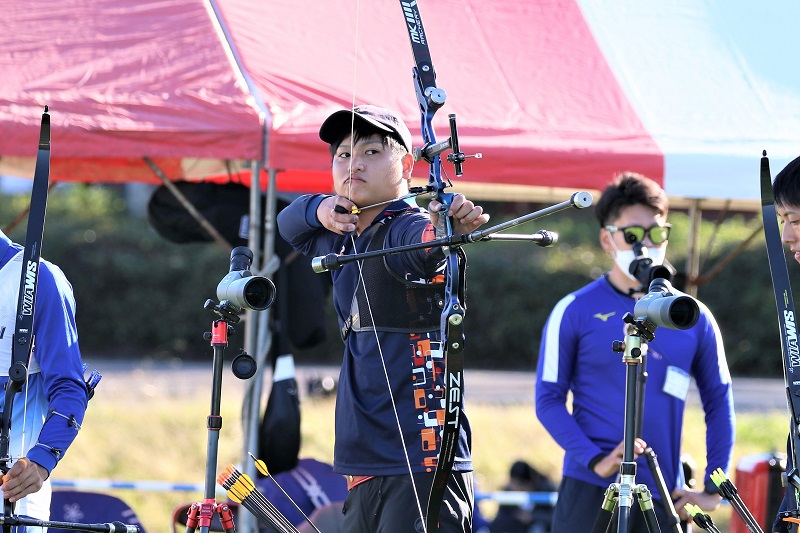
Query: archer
{"points": [[389, 313]]}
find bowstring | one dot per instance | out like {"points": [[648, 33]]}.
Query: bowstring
{"points": [[25, 409], [359, 264]]}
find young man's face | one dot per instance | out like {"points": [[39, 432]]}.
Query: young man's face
{"points": [[614, 242], [632, 215], [371, 171], [790, 232]]}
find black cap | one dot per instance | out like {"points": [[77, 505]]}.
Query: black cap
{"points": [[384, 119], [786, 186], [792, 170]]}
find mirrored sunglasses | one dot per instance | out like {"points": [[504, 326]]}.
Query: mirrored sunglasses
{"points": [[634, 234]]}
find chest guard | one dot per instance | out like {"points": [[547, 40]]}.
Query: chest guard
{"points": [[397, 304]]}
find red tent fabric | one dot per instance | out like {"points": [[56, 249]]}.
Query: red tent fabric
{"points": [[553, 93], [541, 104], [127, 79], [124, 80]]}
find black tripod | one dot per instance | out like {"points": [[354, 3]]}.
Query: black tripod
{"points": [[238, 291], [619, 496], [673, 520], [202, 513]]}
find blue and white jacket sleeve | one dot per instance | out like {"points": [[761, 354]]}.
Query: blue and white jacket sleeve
{"points": [[59, 358]]}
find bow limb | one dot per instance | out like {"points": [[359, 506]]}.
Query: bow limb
{"points": [[23, 338], [786, 324], [430, 98]]}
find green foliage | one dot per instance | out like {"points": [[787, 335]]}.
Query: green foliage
{"points": [[138, 293], [521, 284], [512, 287]]}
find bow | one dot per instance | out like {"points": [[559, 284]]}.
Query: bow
{"points": [[23, 339], [430, 98], [788, 329]]}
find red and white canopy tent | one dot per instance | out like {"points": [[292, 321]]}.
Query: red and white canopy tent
{"points": [[558, 95], [562, 93]]}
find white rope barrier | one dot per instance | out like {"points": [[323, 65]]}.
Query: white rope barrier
{"points": [[500, 497]]}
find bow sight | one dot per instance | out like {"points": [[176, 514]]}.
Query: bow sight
{"points": [[456, 157]]}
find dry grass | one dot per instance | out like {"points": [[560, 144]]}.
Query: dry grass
{"points": [[159, 433]]}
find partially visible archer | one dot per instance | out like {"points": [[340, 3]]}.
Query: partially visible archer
{"points": [[782, 198], [40, 362]]}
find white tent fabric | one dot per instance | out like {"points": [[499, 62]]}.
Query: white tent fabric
{"points": [[713, 82]]}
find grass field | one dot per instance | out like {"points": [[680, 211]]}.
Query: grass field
{"points": [[160, 434]]}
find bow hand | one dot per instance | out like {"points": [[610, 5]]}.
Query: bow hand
{"points": [[466, 216], [24, 478]]}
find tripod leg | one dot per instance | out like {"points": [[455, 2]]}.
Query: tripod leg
{"points": [[603, 519], [226, 518], [674, 521], [625, 504], [646, 505], [612, 527]]}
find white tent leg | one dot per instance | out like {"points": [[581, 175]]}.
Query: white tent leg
{"points": [[692, 256], [258, 333]]}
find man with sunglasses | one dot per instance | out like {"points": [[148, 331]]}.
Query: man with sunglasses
{"points": [[576, 356]]}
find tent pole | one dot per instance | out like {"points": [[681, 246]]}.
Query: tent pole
{"points": [[705, 278], [692, 256], [250, 403], [259, 335], [258, 327]]}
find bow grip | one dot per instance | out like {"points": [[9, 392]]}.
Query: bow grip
{"points": [[444, 226]]}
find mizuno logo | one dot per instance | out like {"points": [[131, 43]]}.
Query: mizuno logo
{"points": [[29, 288], [791, 338], [412, 20], [605, 317]]}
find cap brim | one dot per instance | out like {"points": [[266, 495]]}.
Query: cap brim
{"points": [[340, 122]]}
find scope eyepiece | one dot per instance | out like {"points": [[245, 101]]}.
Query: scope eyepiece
{"points": [[643, 269], [241, 258]]}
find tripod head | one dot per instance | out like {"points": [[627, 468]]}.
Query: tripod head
{"points": [[640, 331], [224, 311]]}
